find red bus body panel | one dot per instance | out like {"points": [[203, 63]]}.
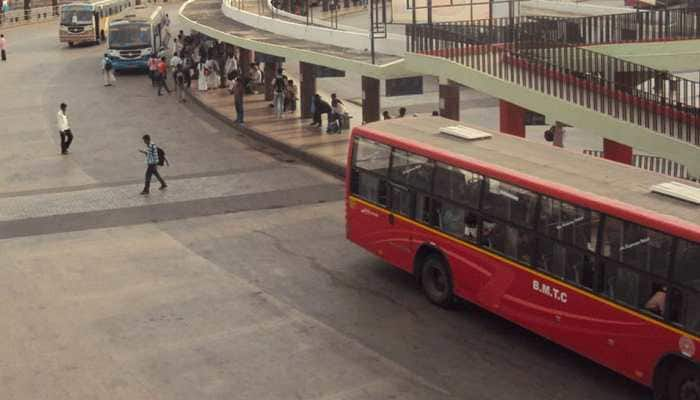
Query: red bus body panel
{"points": [[622, 339]]}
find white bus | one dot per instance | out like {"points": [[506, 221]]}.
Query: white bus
{"points": [[133, 36], [85, 21]]}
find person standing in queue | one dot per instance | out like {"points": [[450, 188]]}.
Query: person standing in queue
{"points": [[64, 128]]}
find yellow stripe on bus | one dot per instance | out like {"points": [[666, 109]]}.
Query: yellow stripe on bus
{"points": [[529, 270]]}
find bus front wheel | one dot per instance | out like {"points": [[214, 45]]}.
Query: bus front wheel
{"points": [[436, 281], [685, 383]]}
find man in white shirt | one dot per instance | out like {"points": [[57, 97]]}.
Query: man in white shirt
{"points": [[64, 129], [175, 60]]}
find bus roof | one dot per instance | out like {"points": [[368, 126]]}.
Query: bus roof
{"points": [[136, 14], [568, 175]]}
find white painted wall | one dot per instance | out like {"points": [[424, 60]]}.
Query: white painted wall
{"points": [[568, 7], [394, 44]]}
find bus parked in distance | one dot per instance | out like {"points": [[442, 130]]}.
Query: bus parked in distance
{"points": [[85, 21], [133, 36], [577, 249]]}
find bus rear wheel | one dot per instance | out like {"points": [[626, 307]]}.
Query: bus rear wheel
{"points": [[685, 383], [437, 281]]}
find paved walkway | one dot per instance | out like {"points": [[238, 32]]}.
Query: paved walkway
{"points": [[289, 132]]}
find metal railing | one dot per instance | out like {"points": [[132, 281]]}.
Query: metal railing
{"points": [[27, 16], [626, 91], [323, 13], [643, 26], [653, 164]]}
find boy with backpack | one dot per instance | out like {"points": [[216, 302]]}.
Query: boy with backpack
{"points": [[280, 86], [155, 157], [108, 71]]}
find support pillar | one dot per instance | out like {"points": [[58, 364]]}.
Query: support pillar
{"points": [[449, 101], [512, 119], [307, 88], [617, 151], [370, 99], [269, 73], [245, 57]]}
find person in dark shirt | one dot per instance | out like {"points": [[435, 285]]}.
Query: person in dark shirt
{"points": [[320, 107]]}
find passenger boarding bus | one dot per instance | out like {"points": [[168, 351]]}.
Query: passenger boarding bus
{"points": [[85, 21], [133, 36], [597, 256]]}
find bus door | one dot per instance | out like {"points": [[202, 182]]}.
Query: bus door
{"points": [[96, 18], [156, 37], [371, 222], [399, 230]]}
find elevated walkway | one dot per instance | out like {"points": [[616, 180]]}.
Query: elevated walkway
{"points": [[531, 65], [206, 16]]}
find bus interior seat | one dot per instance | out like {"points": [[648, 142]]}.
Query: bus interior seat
{"points": [[627, 287], [693, 311]]}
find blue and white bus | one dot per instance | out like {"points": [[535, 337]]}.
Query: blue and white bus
{"points": [[133, 36]]}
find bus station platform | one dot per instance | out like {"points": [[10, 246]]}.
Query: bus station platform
{"points": [[290, 133]]}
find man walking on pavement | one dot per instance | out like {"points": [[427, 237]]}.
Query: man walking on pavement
{"points": [[107, 71], [3, 48], [64, 129], [152, 159]]}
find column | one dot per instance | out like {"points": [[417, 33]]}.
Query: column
{"points": [[307, 88], [269, 73], [370, 99], [617, 151], [449, 101], [512, 119], [244, 60]]}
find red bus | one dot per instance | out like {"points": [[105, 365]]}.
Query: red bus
{"points": [[574, 248]]}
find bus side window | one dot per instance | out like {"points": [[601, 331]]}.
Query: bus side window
{"points": [[428, 210], [458, 185], [411, 170], [401, 200], [510, 203], [370, 165], [692, 312], [631, 287], [687, 267]]}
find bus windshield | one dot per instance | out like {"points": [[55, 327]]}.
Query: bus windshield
{"points": [[82, 16], [129, 36]]}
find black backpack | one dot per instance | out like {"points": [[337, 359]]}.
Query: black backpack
{"points": [[549, 135], [279, 84], [108, 64], [161, 157]]}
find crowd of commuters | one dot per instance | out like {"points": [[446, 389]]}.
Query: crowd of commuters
{"points": [[213, 65]]}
